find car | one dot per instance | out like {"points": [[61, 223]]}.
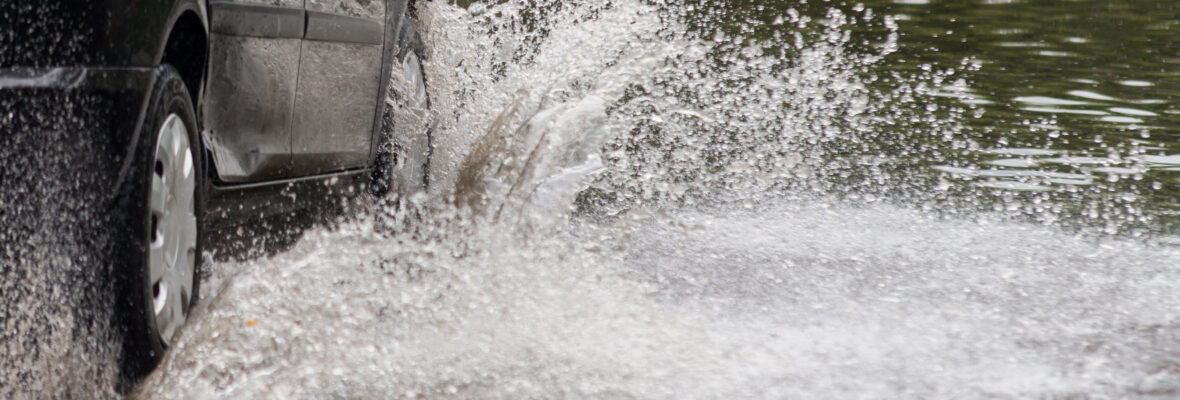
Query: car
{"points": [[203, 113]]}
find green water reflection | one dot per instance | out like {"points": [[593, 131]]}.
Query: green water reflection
{"points": [[1064, 112], [1073, 97]]}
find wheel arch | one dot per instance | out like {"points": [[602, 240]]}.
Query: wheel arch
{"points": [[187, 48], [390, 48]]}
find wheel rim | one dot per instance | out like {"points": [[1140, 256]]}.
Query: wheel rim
{"points": [[415, 82], [172, 257]]}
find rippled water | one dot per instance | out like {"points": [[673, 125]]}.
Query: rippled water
{"points": [[753, 200], [1070, 111]]}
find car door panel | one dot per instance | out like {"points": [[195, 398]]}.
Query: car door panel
{"points": [[253, 71], [335, 105], [339, 84], [328, 27]]}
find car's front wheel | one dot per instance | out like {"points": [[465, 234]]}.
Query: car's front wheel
{"points": [[161, 280]]}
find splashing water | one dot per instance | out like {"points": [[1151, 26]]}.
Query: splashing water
{"points": [[725, 242]]}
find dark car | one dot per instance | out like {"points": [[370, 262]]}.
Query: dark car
{"points": [[185, 115]]}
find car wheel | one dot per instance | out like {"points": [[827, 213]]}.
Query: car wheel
{"points": [[403, 157], [161, 284]]}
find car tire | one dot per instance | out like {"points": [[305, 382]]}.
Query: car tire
{"points": [[403, 156], [160, 283]]}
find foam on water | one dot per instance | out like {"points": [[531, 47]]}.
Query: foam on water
{"points": [[792, 301], [709, 258]]}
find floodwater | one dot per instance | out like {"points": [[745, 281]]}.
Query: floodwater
{"points": [[756, 200], [657, 199]]}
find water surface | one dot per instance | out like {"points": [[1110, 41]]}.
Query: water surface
{"points": [[758, 199]]}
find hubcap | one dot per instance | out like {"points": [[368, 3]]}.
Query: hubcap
{"points": [[173, 253], [415, 90]]}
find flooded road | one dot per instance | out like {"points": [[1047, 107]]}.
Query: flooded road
{"points": [[676, 212], [756, 199], [804, 301]]}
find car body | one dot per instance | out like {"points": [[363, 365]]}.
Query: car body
{"points": [[287, 95], [287, 103]]}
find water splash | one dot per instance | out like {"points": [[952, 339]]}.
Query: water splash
{"points": [[56, 293], [746, 118], [732, 242], [797, 301]]}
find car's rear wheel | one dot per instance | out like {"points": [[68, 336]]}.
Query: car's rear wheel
{"points": [[161, 283], [403, 158]]}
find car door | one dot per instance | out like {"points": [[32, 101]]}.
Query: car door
{"points": [[250, 95], [337, 93]]}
